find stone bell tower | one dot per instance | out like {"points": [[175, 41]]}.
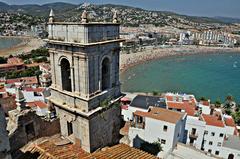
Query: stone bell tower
{"points": [[85, 80]]}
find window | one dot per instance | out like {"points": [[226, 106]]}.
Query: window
{"points": [[210, 151], [205, 132], [139, 119], [70, 128], [219, 144], [221, 135], [165, 128], [105, 74], [163, 141], [212, 134], [217, 153], [36, 94], [210, 142], [66, 75], [29, 128]]}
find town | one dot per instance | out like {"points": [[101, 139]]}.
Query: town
{"points": [[64, 99]]}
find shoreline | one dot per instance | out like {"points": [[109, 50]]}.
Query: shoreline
{"points": [[134, 59], [28, 43]]}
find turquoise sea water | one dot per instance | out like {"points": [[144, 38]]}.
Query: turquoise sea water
{"points": [[213, 75], [9, 42]]}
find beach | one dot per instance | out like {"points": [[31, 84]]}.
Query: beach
{"points": [[132, 59], [27, 44]]}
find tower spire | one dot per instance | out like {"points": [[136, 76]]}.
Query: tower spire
{"points": [[84, 17], [51, 16], [115, 18], [20, 100]]}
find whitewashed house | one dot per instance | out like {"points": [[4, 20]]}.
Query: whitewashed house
{"points": [[39, 107], [231, 147], [141, 103], [158, 124], [206, 128]]}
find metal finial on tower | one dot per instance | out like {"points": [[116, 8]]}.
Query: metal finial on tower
{"points": [[84, 17], [51, 16], [115, 18]]}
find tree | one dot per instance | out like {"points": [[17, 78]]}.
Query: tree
{"points": [[155, 93], [3, 60], [152, 148], [236, 117], [218, 103], [229, 102], [203, 99]]}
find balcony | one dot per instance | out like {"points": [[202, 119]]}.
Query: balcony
{"points": [[193, 135], [138, 125]]}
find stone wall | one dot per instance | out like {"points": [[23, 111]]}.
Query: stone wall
{"points": [[97, 131], [83, 33], [105, 128], [27, 126], [4, 141]]}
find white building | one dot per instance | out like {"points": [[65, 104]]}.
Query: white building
{"points": [[158, 124], [141, 103], [32, 94], [231, 147], [39, 107], [206, 127]]}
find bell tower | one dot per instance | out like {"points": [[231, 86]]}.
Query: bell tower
{"points": [[85, 80]]}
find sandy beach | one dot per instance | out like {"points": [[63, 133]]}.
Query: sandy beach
{"points": [[27, 44], [132, 59]]}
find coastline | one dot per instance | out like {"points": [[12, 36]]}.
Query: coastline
{"points": [[27, 44], [133, 59]]}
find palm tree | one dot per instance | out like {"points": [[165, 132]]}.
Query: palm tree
{"points": [[229, 102], [218, 103]]}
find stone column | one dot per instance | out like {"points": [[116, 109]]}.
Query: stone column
{"points": [[53, 69], [77, 75], [72, 78]]}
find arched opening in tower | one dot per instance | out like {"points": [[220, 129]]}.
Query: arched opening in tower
{"points": [[105, 74], [66, 75]]}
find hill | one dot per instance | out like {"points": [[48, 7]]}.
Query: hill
{"points": [[130, 16]]}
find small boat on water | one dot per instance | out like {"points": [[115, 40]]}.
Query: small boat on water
{"points": [[234, 65]]}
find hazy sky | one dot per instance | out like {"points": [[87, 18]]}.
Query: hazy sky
{"points": [[227, 8]]}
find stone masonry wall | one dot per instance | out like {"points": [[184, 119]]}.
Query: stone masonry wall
{"points": [[105, 128], [42, 128]]}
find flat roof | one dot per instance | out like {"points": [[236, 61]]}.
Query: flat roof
{"points": [[144, 102], [232, 142], [162, 114]]}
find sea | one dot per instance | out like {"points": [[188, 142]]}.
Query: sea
{"points": [[8, 42], [213, 76]]}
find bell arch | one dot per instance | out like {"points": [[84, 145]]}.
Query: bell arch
{"points": [[106, 73], [66, 75]]}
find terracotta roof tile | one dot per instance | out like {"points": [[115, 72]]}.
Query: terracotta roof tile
{"points": [[120, 151], [188, 107], [27, 80], [48, 150], [30, 89], [230, 122], [6, 65], [212, 120], [206, 103], [14, 60], [162, 114], [39, 104]]}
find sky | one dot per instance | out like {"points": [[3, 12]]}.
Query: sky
{"points": [[209, 8]]}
